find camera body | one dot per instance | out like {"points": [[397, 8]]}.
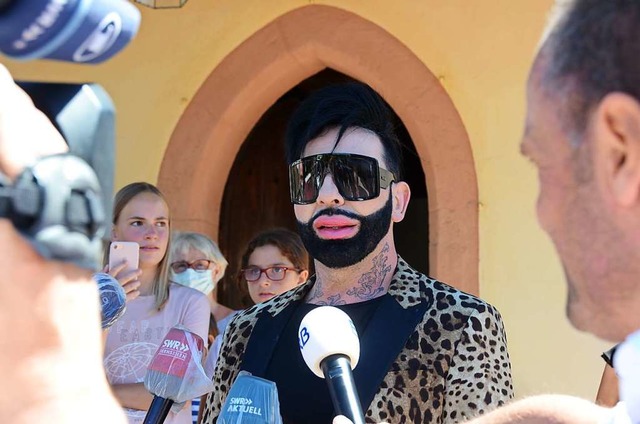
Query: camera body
{"points": [[85, 116], [62, 203]]}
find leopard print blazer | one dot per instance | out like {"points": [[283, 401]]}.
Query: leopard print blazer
{"points": [[451, 366]]}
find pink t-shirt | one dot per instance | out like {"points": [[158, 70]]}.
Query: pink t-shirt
{"points": [[133, 340]]}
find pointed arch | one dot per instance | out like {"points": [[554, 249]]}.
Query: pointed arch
{"points": [[291, 48]]}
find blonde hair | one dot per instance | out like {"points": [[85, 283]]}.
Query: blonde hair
{"points": [[161, 279], [185, 240]]}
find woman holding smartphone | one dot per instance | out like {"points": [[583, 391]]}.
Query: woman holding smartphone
{"points": [[154, 305]]}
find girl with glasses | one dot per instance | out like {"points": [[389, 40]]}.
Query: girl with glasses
{"points": [[154, 304], [273, 262]]}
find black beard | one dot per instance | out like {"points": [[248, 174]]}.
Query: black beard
{"points": [[347, 252]]}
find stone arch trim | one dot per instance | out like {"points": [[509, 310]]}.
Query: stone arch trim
{"points": [[277, 57]]}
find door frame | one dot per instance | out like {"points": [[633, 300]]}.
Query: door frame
{"points": [[296, 45]]}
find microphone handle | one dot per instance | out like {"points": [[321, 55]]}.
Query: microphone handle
{"points": [[158, 410], [342, 388]]}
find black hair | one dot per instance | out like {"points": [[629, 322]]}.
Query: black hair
{"points": [[593, 50], [344, 106]]}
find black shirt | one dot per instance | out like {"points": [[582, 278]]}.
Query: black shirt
{"points": [[304, 397]]}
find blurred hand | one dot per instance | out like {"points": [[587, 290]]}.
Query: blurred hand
{"points": [[52, 349]]}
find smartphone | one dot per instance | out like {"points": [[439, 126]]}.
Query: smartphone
{"points": [[119, 251]]}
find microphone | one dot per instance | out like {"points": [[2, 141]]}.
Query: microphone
{"points": [[175, 374], [626, 362], [251, 400], [113, 300], [330, 347], [81, 31]]}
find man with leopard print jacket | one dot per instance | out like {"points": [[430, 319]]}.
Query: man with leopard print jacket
{"points": [[429, 353], [453, 366]]}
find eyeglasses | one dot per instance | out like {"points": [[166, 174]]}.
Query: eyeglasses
{"points": [[199, 265], [274, 273], [357, 177]]}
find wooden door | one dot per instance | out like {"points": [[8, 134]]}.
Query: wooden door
{"points": [[256, 195]]}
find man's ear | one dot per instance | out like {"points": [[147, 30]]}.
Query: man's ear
{"points": [[401, 193], [617, 141]]}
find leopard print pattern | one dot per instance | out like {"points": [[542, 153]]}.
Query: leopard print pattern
{"points": [[453, 367]]}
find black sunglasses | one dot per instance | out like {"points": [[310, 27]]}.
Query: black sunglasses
{"points": [[357, 177]]}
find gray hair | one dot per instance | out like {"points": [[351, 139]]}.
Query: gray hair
{"points": [[184, 240]]}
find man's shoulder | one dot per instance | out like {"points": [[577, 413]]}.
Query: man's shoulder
{"points": [[443, 297], [249, 316], [448, 297]]}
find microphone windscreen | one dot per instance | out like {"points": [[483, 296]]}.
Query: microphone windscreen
{"points": [[326, 331], [251, 400], [113, 300], [81, 31], [626, 361], [176, 372]]}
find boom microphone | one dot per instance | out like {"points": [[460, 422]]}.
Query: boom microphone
{"points": [[81, 31], [175, 374], [330, 347]]}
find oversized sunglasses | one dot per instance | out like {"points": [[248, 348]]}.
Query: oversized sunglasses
{"points": [[356, 177]]}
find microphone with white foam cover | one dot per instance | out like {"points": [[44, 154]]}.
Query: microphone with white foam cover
{"points": [[330, 347]]}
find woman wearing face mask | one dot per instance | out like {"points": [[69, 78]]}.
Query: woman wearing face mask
{"points": [[196, 262], [154, 305]]}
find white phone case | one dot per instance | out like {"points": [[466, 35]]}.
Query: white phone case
{"points": [[119, 251]]}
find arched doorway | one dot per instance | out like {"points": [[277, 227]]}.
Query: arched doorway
{"points": [[290, 49], [256, 195]]}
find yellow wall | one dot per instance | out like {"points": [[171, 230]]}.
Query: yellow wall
{"points": [[481, 50]]}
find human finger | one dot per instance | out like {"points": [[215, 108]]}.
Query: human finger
{"points": [[132, 289]]}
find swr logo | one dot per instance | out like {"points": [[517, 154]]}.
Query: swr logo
{"points": [[101, 39], [175, 344]]}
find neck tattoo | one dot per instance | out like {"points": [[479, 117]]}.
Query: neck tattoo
{"points": [[334, 300], [370, 285]]}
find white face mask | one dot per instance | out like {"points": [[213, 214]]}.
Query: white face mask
{"points": [[202, 281]]}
